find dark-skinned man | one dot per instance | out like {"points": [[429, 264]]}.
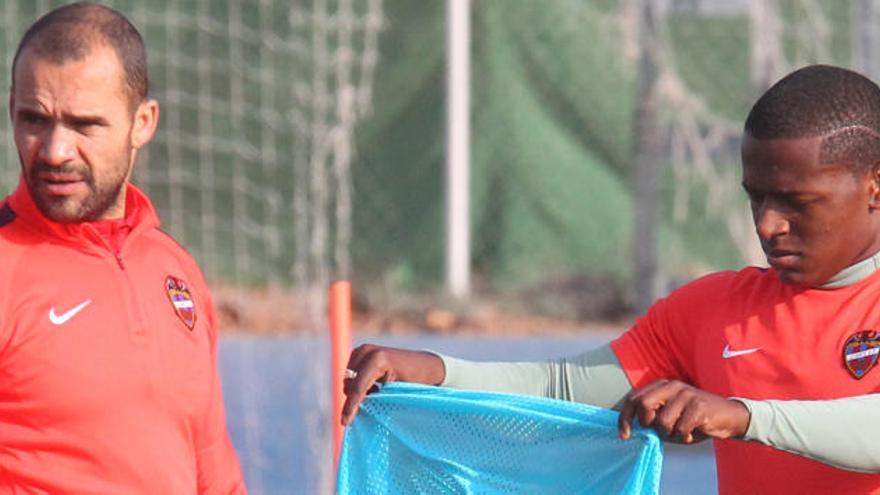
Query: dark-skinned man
{"points": [[774, 364]]}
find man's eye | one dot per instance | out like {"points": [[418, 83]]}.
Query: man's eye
{"points": [[86, 123], [31, 118], [85, 126]]}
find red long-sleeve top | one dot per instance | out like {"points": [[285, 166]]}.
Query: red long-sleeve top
{"points": [[108, 359]]}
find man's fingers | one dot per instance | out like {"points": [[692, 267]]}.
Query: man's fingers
{"points": [[631, 408], [624, 421], [682, 413], [647, 412], [692, 419], [715, 417], [358, 355], [645, 404], [668, 415], [349, 409], [356, 389], [653, 399], [368, 364]]}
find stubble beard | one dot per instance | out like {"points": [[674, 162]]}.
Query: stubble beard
{"points": [[101, 197]]}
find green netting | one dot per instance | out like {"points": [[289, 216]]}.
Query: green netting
{"points": [[553, 105]]}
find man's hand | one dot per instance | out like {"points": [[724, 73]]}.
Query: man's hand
{"points": [[372, 364], [683, 413]]}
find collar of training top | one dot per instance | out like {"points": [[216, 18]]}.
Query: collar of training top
{"points": [[854, 273], [139, 215]]}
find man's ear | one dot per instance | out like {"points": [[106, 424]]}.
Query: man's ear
{"points": [[874, 188], [146, 118]]}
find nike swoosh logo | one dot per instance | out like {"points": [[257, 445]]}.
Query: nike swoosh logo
{"points": [[63, 318], [727, 353]]}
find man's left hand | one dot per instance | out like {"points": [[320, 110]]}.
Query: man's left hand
{"points": [[682, 413]]}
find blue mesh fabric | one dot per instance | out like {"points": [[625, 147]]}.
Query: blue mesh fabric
{"points": [[412, 439]]}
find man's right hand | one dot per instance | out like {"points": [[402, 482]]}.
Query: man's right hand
{"points": [[371, 364]]}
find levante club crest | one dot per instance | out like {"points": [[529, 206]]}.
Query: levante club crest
{"points": [[860, 353], [182, 300]]}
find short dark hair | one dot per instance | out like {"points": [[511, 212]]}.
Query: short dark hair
{"points": [[840, 105], [70, 32]]}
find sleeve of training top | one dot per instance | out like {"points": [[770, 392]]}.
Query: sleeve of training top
{"points": [[835, 432], [809, 428], [659, 345], [218, 469], [594, 377]]}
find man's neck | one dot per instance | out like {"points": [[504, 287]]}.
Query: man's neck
{"points": [[117, 210]]}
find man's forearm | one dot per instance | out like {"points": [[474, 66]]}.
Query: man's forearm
{"points": [[594, 377], [836, 432]]}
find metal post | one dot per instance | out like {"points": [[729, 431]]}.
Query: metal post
{"points": [[865, 37], [458, 148], [767, 58], [644, 175]]}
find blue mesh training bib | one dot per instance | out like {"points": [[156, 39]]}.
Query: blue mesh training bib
{"points": [[410, 439]]}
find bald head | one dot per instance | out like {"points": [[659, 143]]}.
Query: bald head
{"points": [[839, 105], [70, 33]]}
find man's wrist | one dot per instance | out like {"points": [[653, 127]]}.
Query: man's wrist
{"points": [[743, 420], [425, 367], [434, 369]]}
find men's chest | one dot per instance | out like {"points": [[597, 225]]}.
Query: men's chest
{"points": [[799, 350], [85, 330]]}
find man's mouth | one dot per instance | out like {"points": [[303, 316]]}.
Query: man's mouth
{"points": [[61, 184], [783, 259]]}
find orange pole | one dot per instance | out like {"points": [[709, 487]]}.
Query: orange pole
{"points": [[340, 348]]}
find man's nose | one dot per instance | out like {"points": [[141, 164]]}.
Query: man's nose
{"points": [[770, 222], [58, 146]]}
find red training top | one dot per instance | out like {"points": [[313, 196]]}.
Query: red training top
{"points": [[700, 332], [108, 359]]}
